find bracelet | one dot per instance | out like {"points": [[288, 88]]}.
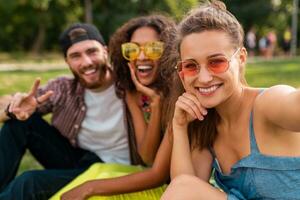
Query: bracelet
{"points": [[9, 114]]}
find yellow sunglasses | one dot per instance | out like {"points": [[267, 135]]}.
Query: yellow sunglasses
{"points": [[152, 50]]}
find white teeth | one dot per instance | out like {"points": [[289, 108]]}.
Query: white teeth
{"points": [[90, 71], [144, 67], [209, 89]]}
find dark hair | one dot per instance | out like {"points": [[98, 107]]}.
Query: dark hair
{"points": [[78, 32], [165, 27], [209, 16]]}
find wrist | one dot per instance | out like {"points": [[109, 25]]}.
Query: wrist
{"points": [[178, 126], [9, 114], [90, 189]]}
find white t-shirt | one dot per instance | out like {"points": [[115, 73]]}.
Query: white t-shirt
{"points": [[103, 131]]}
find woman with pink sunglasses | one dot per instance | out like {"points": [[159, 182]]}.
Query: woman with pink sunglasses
{"points": [[248, 137]]}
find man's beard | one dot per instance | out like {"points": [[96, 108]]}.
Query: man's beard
{"points": [[102, 70]]}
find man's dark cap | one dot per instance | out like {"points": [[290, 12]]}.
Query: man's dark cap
{"points": [[79, 32]]}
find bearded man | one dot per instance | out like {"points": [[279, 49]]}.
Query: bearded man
{"points": [[87, 125]]}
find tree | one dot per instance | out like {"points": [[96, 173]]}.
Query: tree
{"points": [[88, 12], [34, 25], [110, 14]]}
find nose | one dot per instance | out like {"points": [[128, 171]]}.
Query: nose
{"points": [[141, 55], [86, 60], [204, 75]]}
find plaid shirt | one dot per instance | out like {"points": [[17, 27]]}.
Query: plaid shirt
{"points": [[68, 111]]}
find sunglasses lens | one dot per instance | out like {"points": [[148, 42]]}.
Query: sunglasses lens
{"points": [[154, 50], [188, 68], [130, 51], [218, 65]]}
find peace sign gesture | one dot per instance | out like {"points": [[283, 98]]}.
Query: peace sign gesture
{"points": [[23, 105]]}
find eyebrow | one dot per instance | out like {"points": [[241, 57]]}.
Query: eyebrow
{"points": [[87, 50], [92, 49], [216, 55], [73, 54], [208, 57], [142, 44]]}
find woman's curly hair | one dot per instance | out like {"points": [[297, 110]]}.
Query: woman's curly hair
{"points": [[166, 29]]}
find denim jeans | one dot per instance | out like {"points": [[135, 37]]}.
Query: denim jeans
{"points": [[62, 161]]}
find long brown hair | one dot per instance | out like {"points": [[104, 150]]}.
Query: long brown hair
{"points": [[209, 16]]}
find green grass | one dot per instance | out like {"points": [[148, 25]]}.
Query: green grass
{"points": [[22, 57], [268, 73], [14, 81], [259, 74]]}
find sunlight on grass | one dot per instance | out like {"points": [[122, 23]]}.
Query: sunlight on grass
{"points": [[28, 163], [266, 74], [21, 57], [22, 80]]}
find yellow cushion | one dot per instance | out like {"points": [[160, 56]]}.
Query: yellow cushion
{"points": [[110, 170]]}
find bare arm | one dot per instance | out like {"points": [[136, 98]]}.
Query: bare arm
{"points": [[280, 106], [148, 136], [184, 161], [181, 162], [187, 109], [152, 136], [152, 177]]}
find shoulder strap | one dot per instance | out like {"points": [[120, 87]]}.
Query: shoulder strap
{"points": [[253, 143]]}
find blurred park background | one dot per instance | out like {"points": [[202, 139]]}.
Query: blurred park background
{"points": [[29, 31], [33, 26]]}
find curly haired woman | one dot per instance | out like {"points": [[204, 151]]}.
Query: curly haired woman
{"points": [[141, 77]]}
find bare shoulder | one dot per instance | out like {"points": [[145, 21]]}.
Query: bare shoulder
{"points": [[272, 104], [272, 95]]}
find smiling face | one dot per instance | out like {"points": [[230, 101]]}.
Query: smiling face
{"points": [[211, 88], [145, 68], [88, 62]]}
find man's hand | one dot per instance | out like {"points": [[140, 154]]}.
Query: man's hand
{"points": [[23, 105]]}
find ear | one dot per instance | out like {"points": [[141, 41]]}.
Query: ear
{"points": [[67, 61], [105, 48], [105, 51], [243, 56]]}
